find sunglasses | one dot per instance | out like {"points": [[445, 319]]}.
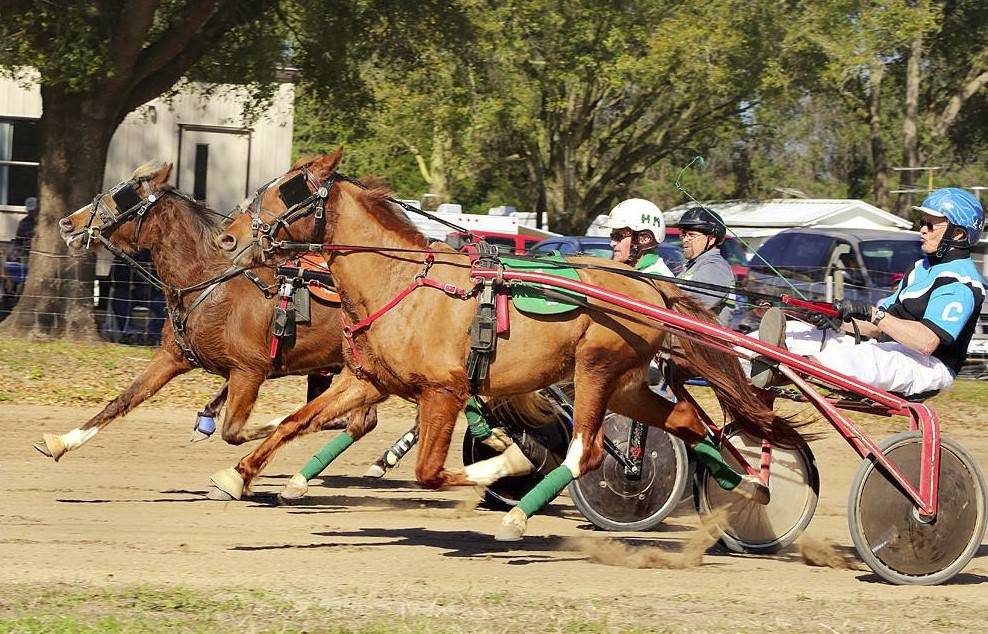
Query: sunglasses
{"points": [[620, 234], [929, 225]]}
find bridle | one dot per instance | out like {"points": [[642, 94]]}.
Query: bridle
{"points": [[302, 195], [125, 196]]}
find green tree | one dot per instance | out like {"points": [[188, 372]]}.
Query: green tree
{"points": [[98, 60], [95, 63], [595, 93]]}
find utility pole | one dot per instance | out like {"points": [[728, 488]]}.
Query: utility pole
{"points": [[908, 188]]}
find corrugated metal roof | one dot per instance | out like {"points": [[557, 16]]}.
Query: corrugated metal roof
{"points": [[800, 212]]}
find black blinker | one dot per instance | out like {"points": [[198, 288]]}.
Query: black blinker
{"points": [[294, 190], [126, 198]]}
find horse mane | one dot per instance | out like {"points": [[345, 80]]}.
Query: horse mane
{"points": [[206, 223], [378, 203]]}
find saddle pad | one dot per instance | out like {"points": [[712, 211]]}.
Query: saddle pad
{"points": [[529, 298]]}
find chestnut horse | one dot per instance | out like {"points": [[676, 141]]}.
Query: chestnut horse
{"points": [[418, 348], [229, 331]]}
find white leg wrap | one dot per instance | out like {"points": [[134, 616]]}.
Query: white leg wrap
{"points": [[78, 437], [573, 455], [511, 462]]}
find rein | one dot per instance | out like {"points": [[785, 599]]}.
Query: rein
{"points": [[126, 194]]}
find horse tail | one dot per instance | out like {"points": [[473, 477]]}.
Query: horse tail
{"points": [[531, 408], [738, 399]]}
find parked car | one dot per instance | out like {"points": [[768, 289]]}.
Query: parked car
{"points": [[873, 262], [506, 243], [600, 246]]}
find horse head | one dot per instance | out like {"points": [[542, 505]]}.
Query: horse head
{"points": [[294, 206], [116, 215]]}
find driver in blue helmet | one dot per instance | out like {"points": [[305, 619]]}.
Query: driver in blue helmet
{"points": [[919, 334]]}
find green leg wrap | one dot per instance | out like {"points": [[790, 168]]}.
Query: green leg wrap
{"points": [[709, 456], [475, 420], [326, 455], [546, 490]]}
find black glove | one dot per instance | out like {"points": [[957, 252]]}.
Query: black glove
{"points": [[848, 310], [823, 322]]}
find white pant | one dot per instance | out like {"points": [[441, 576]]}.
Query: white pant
{"points": [[889, 366]]}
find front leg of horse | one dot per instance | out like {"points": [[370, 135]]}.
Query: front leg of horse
{"points": [[360, 423], [594, 381], [438, 411], [165, 365], [206, 419], [347, 393]]}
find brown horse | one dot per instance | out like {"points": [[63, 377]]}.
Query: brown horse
{"points": [[229, 331], [418, 349]]}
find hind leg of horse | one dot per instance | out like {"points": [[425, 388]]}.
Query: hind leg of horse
{"points": [[638, 402], [243, 387], [438, 411], [347, 393], [360, 422], [165, 365], [393, 455]]}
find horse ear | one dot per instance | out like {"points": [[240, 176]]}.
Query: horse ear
{"points": [[326, 164], [160, 177]]}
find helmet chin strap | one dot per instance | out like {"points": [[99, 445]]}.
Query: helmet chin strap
{"points": [[633, 254], [947, 241]]}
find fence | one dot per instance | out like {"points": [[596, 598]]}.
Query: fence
{"points": [[127, 309]]}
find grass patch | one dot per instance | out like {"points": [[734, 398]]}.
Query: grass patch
{"points": [[141, 609]]}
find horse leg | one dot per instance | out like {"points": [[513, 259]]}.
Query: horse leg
{"points": [[243, 387], [165, 365], [438, 411], [347, 393], [595, 375], [206, 419], [360, 423], [390, 458], [639, 403]]}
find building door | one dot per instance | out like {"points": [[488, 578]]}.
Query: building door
{"points": [[213, 164]]}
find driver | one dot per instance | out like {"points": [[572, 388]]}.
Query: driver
{"points": [[637, 228], [920, 333], [703, 231]]}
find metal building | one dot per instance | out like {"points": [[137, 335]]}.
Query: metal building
{"points": [[218, 156]]}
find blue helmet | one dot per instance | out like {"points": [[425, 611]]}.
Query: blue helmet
{"points": [[962, 211]]}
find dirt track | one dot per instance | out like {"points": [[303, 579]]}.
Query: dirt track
{"points": [[128, 508]]}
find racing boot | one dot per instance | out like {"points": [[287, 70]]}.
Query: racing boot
{"points": [[772, 330]]}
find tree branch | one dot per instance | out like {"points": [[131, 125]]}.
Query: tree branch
{"points": [[129, 36], [210, 33], [949, 114]]}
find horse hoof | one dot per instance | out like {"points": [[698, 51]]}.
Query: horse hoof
{"points": [[752, 489], [227, 481], [198, 436], [295, 490], [219, 495], [512, 527], [52, 446], [499, 440], [374, 471]]}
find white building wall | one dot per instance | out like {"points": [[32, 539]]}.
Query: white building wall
{"points": [[152, 133], [18, 100]]}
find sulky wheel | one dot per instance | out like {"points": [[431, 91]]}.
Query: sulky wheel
{"points": [[554, 437], [614, 502], [891, 537], [747, 527]]}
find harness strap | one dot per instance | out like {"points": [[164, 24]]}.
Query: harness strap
{"points": [[350, 331]]}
